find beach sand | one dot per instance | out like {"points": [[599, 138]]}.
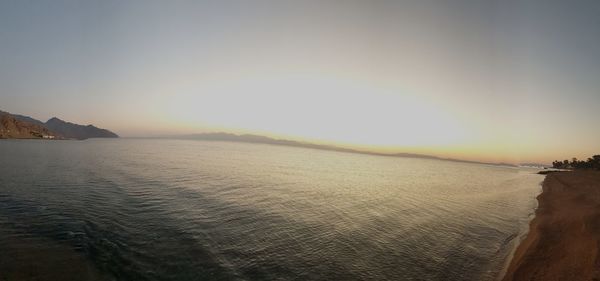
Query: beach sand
{"points": [[563, 242]]}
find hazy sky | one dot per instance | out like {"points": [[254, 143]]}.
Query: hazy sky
{"points": [[487, 80]]}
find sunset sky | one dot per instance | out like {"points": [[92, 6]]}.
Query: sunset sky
{"points": [[514, 81]]}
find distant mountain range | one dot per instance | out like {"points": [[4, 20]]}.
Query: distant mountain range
{"points": [[248, 138], [20, 126]]}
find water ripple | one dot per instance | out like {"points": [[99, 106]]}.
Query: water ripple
{"points": [[185, 210]]}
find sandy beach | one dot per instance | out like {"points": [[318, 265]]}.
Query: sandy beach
{"points": [[563, 242]]}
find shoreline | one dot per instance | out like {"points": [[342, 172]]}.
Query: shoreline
{"points": [[514, 245], [563, 241]]}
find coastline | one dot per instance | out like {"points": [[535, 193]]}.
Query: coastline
{"points": [[563, 242], [514, 245]]}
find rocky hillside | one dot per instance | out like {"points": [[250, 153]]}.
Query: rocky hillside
{"points": [[12, 128], [19, 126], [75, 131]]}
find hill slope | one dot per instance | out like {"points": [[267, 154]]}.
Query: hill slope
{"points": [[21, 126], [12, 128], [75, 131]]}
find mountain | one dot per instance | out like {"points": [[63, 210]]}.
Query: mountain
{"points": [[28, 119], [264, 140], [54, 127], [267, 140], [248, 138], [13, 128], [75, 131]]}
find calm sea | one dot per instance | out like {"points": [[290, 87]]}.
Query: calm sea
{"points": [[135, 209]]}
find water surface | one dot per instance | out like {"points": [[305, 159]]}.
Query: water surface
{"points": [[135, 209]]}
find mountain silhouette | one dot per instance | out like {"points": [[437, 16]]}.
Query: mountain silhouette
{"points": [[23, 126], [75, 131], [249, 138], [13, 128]]}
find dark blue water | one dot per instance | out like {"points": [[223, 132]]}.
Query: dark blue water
{"points": [[134, 209]]}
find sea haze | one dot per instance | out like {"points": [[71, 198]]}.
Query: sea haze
{"points": [[136, 209]]}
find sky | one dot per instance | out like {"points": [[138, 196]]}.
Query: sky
{"points": [[507, 81]]}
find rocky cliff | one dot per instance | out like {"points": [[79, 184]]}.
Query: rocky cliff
{"points": [[12, 128], [25, 127]]}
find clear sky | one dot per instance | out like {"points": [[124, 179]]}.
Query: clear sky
{"points": [[484, 80]]}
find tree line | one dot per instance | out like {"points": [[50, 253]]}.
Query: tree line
{"points": [[590, 163]]}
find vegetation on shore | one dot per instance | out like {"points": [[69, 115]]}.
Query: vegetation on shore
{"points": [[592, 163]]}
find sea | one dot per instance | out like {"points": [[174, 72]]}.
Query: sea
{"points": [[166, 209]]}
